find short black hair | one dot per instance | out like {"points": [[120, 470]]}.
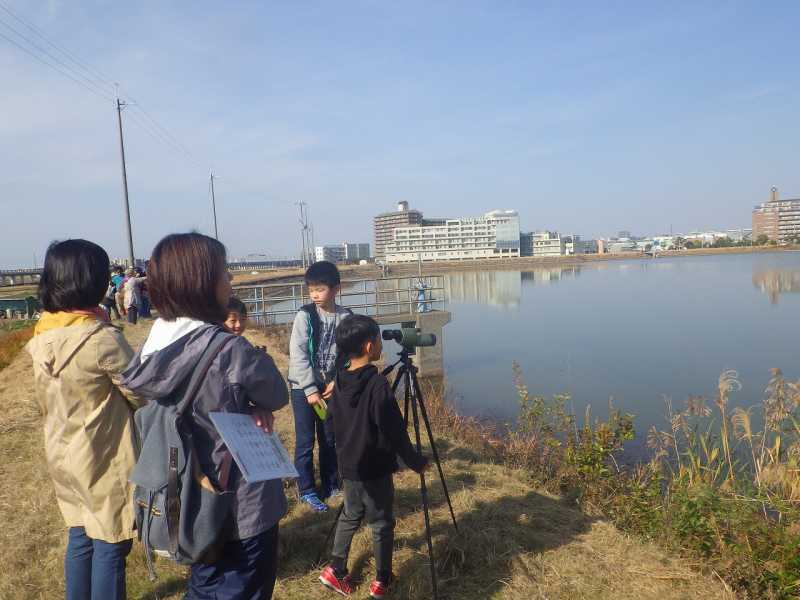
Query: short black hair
{"points": [[75, 276], [183, 275], [355, 331], [236, 305], [323, 273]]}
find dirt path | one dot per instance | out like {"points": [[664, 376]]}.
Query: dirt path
{"points": [[514, 541]]}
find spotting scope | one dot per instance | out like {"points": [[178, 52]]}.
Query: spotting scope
{"points": [[409, 337]]}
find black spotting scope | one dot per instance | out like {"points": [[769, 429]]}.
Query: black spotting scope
{"points": [[409, 337]]}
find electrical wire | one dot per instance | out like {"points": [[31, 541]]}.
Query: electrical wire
{"points": [[89, 69], [54, 67], [53, 58]]}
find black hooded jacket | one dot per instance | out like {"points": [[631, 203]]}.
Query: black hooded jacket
{"points": [[370, 432]]}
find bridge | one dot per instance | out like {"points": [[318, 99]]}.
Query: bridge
{"points": [[400, 301], [19, 276]]}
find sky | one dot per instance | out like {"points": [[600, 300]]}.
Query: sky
{"points": [[586, 117]]}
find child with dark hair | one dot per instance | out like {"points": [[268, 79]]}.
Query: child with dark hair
{"points": [[89, 438], [313, 361], [370, 433], [236, 321], [190, 287]]}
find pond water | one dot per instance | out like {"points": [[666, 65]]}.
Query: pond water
{"points": [[632, 331]]}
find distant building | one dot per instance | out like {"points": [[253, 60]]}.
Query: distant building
{"points": [[526, 243], [777, 219], [548, 243], [624, 235], [573, 244], [385, 224], [342, 253], [494, 235]]}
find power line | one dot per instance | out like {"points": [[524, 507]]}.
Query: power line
{"points": [[89, 69], [53, 58], [54, 67], [145, 121]]}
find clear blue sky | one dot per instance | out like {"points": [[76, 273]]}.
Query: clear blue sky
{"points": [[586, 117]]}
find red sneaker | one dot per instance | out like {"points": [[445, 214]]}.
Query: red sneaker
{"points": [[377, 590], [343, 586]]}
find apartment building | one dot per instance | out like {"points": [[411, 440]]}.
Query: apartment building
{"points": [[494, 235], [385, 224], [778, 219]]}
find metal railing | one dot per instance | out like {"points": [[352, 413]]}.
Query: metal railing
{"points": [[276, 303]]}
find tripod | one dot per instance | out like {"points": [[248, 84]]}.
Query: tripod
{"points": [[407, 375]]}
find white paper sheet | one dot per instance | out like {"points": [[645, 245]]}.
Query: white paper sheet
{"points": [[260, 455]]}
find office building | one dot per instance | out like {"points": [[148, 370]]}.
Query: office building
{"points": [[342, 253], [386, 223], [777, 219], [494, 235], [548, 243], [573, 244]]}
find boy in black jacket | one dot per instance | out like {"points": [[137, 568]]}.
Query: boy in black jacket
{"points": [[370, 433]]}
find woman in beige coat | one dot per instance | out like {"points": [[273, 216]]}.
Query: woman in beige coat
{"points": [[89, 435]]}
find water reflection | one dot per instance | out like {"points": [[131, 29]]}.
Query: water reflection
{"points": [[774, 282], [493, 288], [500, 288]]}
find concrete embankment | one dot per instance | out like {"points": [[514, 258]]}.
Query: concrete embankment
{"points": [[524, 263]]}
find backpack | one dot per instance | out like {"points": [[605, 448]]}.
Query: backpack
{"points": [[315, 324], [176, 516]]}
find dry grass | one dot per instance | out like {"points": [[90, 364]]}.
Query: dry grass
{"points": [[13, 337], [514, 541]]}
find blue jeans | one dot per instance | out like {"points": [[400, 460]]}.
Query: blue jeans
{"points": [[94, 569], [246, 570], [307, 426]]}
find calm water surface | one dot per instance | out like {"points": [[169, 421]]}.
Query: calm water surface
{"points": [[629, 330]]}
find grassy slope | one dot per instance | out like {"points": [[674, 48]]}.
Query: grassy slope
{"points": [[514, 541]]}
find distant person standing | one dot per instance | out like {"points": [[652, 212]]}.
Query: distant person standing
{"points": [[88, 422], [133, 294], [118, 279], [109, 302]]}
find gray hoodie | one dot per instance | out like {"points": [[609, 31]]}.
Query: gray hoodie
{"points": [[240, 375], [307, 372]]}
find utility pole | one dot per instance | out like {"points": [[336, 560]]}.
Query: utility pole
{"points": [[125, 185], [214, 207], [306, 234], [303, 232]]}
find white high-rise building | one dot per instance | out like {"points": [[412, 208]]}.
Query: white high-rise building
{"points": [[494, 235], [344, 252]]}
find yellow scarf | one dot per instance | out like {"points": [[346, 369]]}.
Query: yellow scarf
{"points": [[55, 320]]}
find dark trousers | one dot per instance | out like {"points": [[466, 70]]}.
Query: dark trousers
{"points": [[307, 427], [133, 315], [111, 307], [145, 312], [94, 569], [373, 502], [245, 571]]}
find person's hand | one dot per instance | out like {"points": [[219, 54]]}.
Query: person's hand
{"points": [[263, 419], [314, 398], [328, 391]]}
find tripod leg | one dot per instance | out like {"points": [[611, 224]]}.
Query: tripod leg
{"points": [[434, 450], [423, 487], [401, 375]]}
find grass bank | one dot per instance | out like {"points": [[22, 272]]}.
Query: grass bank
{"points": [[13, 337], [515, 540], [718, 489]]}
